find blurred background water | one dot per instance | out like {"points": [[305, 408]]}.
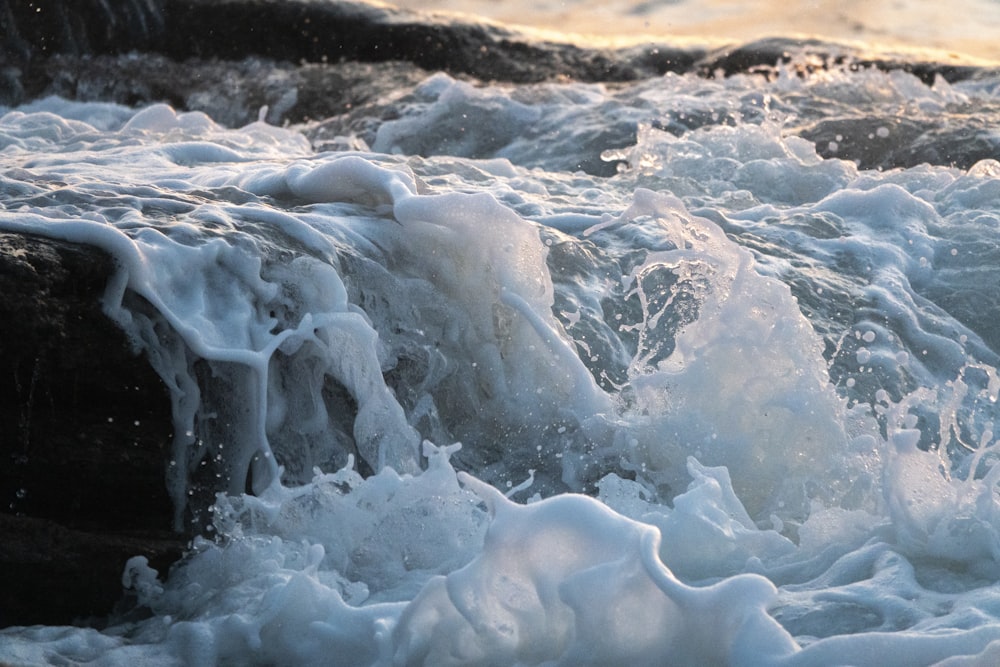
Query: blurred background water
{"points": [[967, 28]]}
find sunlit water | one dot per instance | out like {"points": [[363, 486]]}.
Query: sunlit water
{"points": [[723, 396], [959, 29]]}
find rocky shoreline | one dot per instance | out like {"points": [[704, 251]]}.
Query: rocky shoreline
{"points": [[63, 47]]}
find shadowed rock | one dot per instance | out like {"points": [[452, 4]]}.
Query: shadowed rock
{"points": [[299, 31], [84, 430]]}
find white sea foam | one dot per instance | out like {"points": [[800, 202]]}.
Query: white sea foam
{"points": [[731, 405]]}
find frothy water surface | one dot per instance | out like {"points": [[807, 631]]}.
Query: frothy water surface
{"points": [[720, 355]]}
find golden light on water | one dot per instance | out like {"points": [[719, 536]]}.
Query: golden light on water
{"points": [[960, 29]]}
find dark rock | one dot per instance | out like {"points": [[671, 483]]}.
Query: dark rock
{"points": [[31, 27], [298, 31], [54, 575], [306, 31], [84, 430], [958, 139], [311, 31], [816, 54], [765, 54], [290, 93], [56, 46]]}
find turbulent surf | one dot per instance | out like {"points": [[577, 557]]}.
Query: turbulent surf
{"points": [[693, 368]]}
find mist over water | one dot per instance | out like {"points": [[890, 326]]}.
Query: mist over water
{"points": [[685, 370]]}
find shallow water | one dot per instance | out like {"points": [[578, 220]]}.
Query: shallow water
{"points": [[720, 354]]}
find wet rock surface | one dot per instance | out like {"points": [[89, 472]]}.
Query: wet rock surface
{"points": [[84, 434]]}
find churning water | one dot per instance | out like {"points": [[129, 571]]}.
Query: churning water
{"points": [[721, 356]]}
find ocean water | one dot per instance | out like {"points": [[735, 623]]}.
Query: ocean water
{"points": [[684, 371], [964, 28]]}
